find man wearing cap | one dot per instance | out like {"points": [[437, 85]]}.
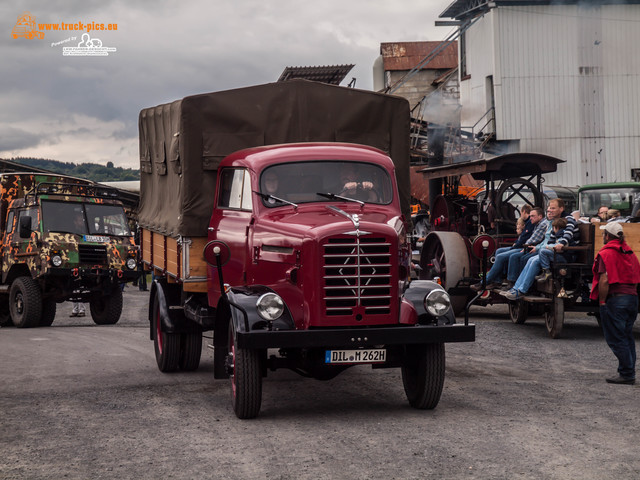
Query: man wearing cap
{"points": [[616, 274]]}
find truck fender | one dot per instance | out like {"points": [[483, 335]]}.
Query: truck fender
{"points": [[244, 313], [171, 320], [416, 293]]}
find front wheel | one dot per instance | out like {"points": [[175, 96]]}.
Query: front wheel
{"points": [[107, 310], [25, 302], [48, 312], [518, 311], [423, 372], [245, 372]]}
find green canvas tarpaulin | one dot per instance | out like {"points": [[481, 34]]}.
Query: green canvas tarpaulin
{"points": [[183, 142]]}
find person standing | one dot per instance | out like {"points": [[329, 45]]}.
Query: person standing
{"points": [[616, 274]]}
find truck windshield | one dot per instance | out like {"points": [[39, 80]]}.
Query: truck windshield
{"points": [[304, 182], [621, 199], [84, 218]]}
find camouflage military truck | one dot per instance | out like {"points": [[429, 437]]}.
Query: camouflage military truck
{"points": [[63, 239]]}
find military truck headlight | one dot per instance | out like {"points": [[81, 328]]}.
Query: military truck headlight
{"points": [[56, 260], [270, 306], [437, 302], [131, 263]]}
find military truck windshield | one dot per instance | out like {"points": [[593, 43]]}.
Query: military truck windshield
{"points": [[84, 218], [622, 199], [303, 182]]}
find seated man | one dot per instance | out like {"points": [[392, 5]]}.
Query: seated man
{"points": [[519, 259], [497, 271], [352, 187]]}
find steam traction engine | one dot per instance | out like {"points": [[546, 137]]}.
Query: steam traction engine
{"points": [[462, 226]]}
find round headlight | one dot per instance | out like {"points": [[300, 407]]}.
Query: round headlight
{"points": [[270, 306], [131, 263], [437, 302], [56, 260]]}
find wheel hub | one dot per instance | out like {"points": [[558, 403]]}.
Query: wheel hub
{"points": [[19, 303]]}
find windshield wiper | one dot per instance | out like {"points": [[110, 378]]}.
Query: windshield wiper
{"points": [[333, 196], [266, 196]]}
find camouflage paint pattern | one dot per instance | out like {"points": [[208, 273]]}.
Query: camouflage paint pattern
{"points": [[35, 253]]}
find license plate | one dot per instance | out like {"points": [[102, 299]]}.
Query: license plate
{"points": [[371, 355], [96, 238]]}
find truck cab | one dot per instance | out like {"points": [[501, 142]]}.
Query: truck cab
{"points": [[63, 241]]}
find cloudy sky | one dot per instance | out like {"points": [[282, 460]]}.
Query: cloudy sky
{"points": [[78, 108]]}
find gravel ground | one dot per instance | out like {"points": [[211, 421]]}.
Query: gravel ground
{"points": [[83, 401]]}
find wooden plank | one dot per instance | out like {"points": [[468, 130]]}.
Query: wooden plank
{"points": [[173, 261], [631, 234], [197, 263], [158, 251], [146, 246]]}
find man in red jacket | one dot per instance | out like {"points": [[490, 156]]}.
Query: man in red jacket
{"points": [[616, 274]]}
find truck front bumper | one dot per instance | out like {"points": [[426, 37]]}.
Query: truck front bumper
{"points": [[357, 337]]}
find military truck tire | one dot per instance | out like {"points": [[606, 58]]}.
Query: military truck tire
{"points": [[5, 314], [166, 345], [423, 374], [25, 302], [48, 312], [107, 310], [190, 351], [246, 378]]}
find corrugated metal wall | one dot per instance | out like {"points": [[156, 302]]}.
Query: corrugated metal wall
{"points": [[566, 83]]}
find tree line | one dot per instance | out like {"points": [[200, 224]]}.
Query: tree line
{"points": [[89, 171]]}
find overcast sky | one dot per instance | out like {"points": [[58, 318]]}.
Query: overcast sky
{"points": [[85, 108]]}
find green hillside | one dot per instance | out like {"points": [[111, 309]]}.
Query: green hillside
{"points": [[90, 171]]}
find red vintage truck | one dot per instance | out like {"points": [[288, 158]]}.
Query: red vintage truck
{"points": [[302, 275]]}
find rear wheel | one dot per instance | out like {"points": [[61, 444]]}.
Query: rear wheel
{"points": [[48, 312], [554, 317], [25, 302], [423, 372], [190, 351], [518, 311], [106, 310], [166, 345], [245, 373]]}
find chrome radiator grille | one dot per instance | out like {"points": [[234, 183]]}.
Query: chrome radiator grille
{"points": [[357, 276]]}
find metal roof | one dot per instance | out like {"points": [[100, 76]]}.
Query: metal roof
{"points": [[461, 9], [406, 55], [331, 74]]}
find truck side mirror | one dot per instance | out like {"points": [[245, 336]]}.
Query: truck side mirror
{"points": [[25, 227]]}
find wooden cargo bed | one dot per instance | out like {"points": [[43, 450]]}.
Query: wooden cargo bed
{"points": [[180, 259]]}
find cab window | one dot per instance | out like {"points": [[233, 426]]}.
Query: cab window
{"points": [[9, 226], [235, 189]]}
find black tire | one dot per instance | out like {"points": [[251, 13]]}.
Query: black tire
{"points": [[107, 310], [246, 378], [190, 351], [25, 302], [166, 345], [48, 312], [5, 314], [423, 372], [554, 317], [518, 311]]}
